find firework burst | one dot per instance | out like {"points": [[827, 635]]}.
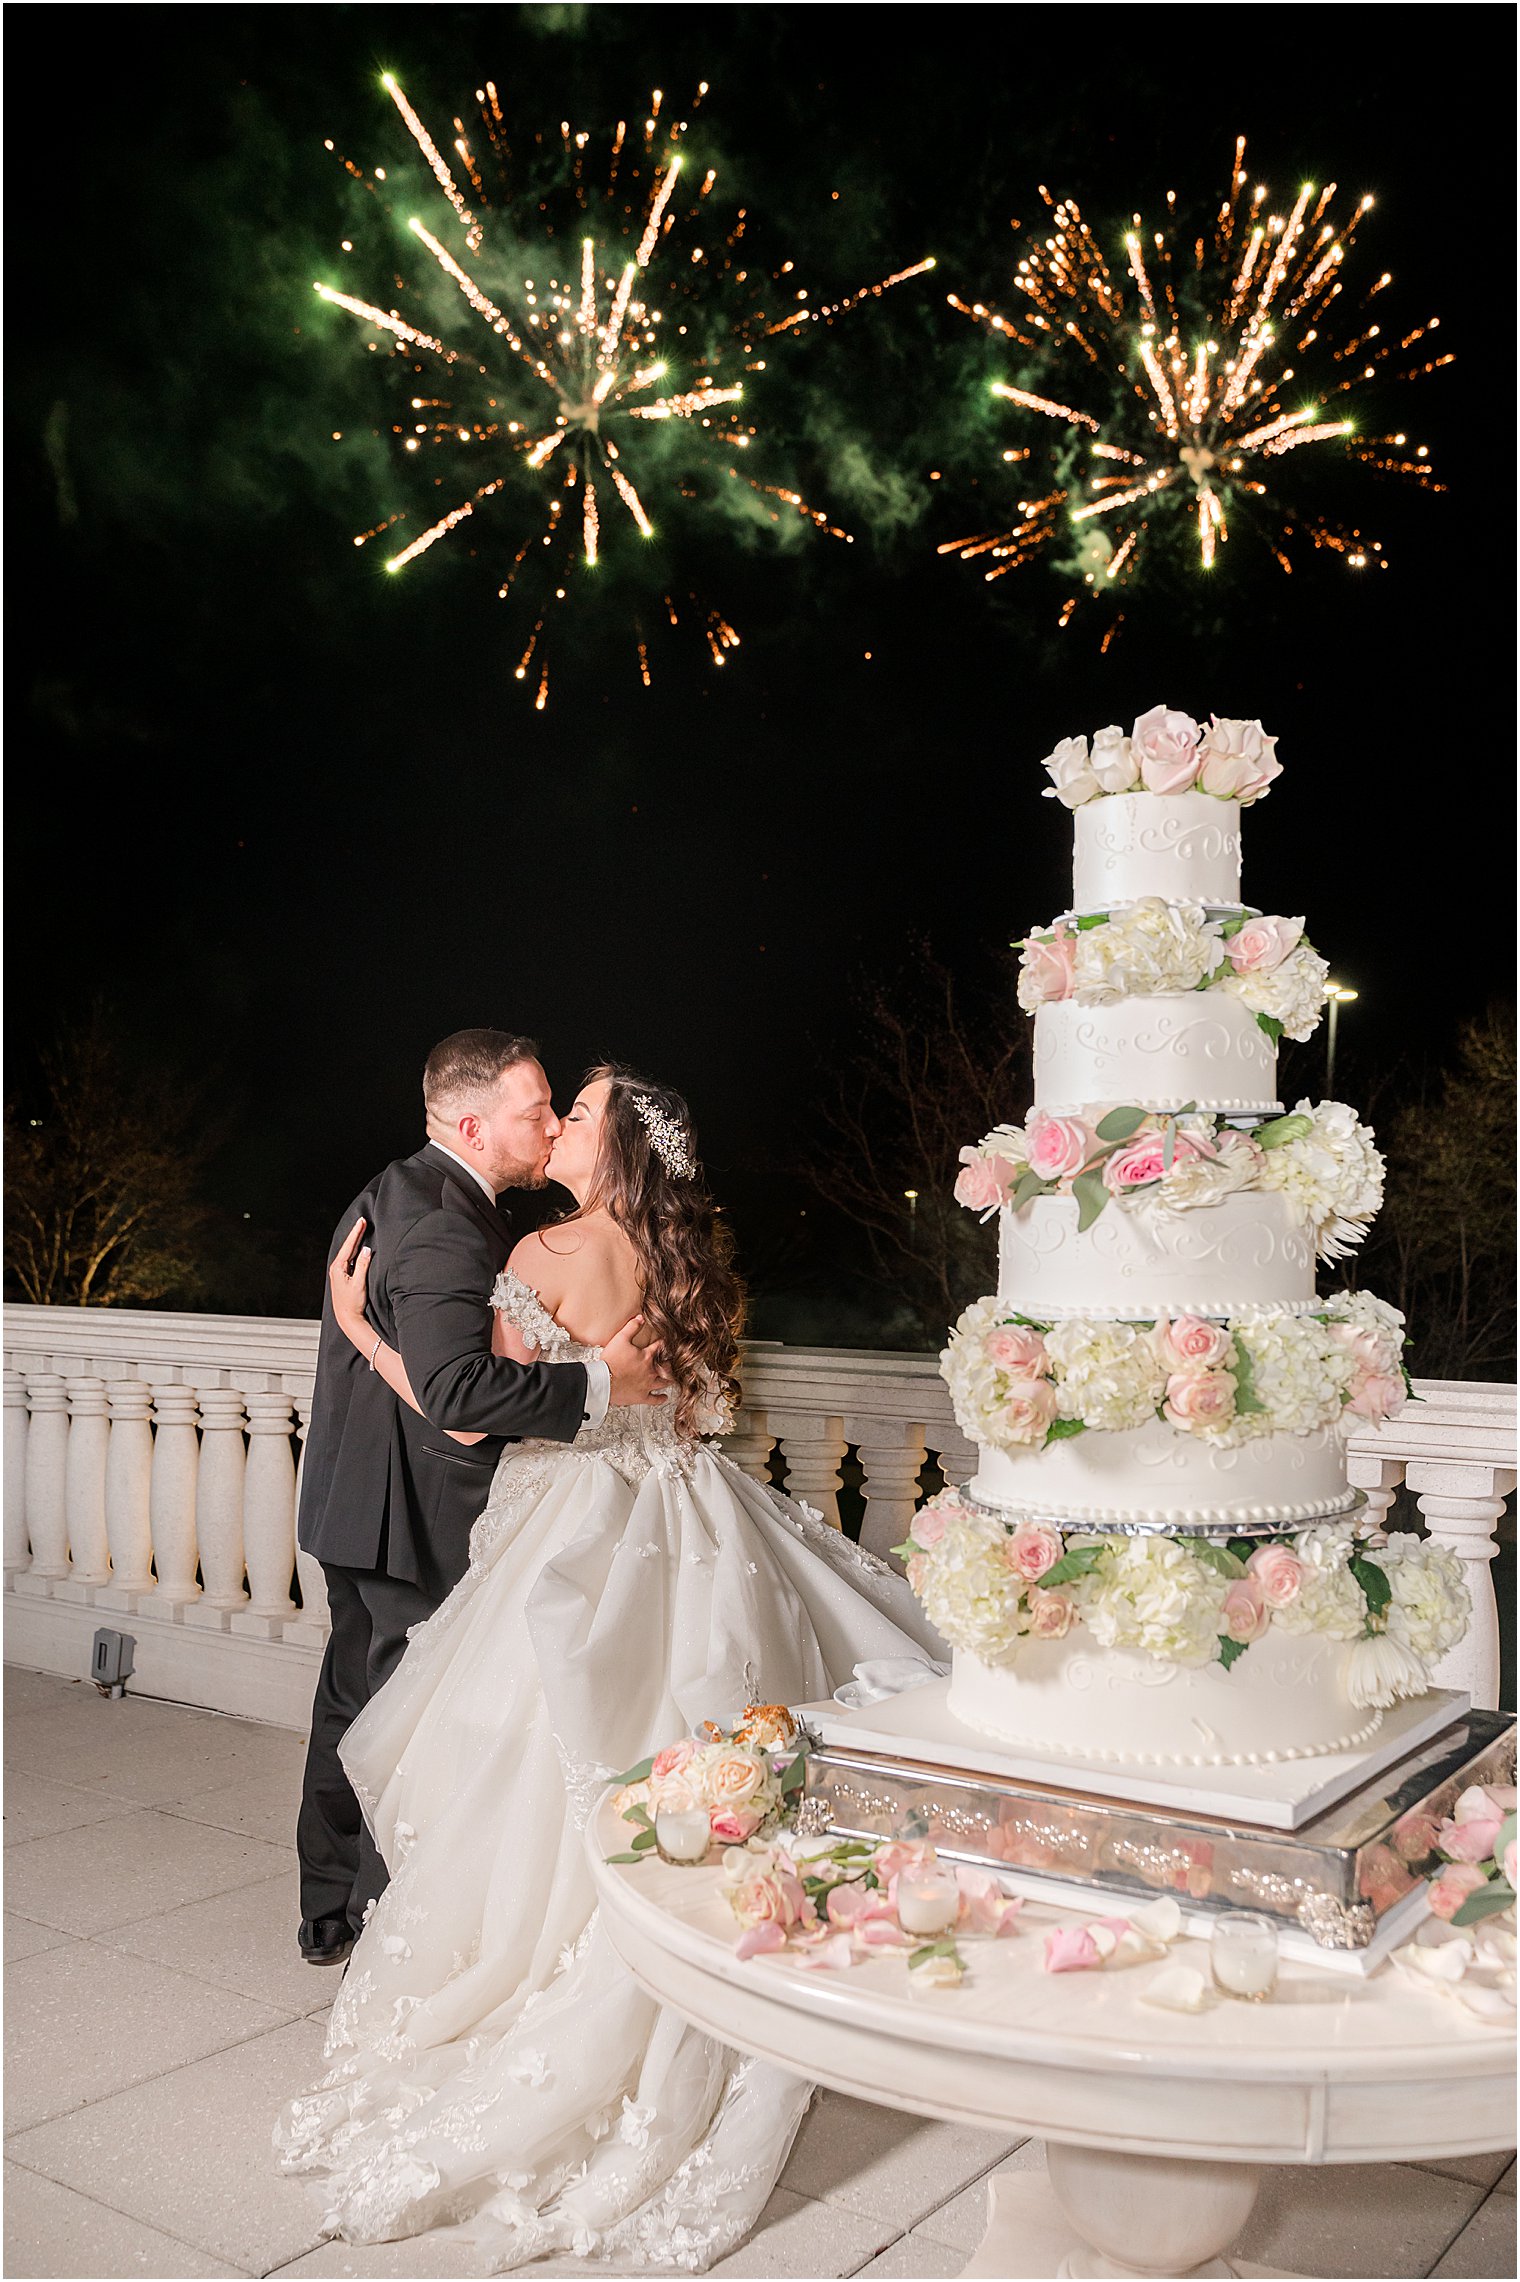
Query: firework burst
{"points": [[600, 358], [1176, 389]]}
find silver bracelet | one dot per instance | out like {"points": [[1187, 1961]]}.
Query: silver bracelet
{"points": [[379, 1343]]}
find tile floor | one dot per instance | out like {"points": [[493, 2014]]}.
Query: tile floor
{"points": [[156, 2014]]}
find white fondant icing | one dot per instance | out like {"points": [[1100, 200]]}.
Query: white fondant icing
{"points": [[1156, 1474], [1181, 845], [1137, 1261], [1158, 1052], [1285, 1698]]}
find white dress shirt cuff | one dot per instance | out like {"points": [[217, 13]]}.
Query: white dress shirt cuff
{"points": [[598, 1391]]}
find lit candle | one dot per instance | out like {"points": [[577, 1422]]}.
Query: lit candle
{"points": [[682, 1835], [1243, 1955], [928, 1901]]}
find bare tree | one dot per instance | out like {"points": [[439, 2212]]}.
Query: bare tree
{"points": [[101, 1207], [938, 1067]]}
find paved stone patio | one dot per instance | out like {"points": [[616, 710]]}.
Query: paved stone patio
{"points": [[156, 2014]]}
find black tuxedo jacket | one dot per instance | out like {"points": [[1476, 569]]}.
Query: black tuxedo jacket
{"points": [[382, 1488]]}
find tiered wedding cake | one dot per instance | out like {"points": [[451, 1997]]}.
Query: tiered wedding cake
{"points": [[1157, 1561]]}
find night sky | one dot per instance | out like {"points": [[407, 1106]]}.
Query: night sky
{"points": [[297, 821]]}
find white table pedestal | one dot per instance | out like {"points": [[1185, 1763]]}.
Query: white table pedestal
{"points": [[1159, 2214]]}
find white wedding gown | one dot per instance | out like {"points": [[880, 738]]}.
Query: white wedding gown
{"points": [[492, 2063]]}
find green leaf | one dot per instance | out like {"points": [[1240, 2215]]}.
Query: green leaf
{"points": [[791, 1780], [943, 1948], [1073, 1565], [1271, 1025], [639, 1815], [643, 1842], [1062, 1429], [1029, 1183], [622, 1857], [1217, 1557], [1091, 919], [1030, 1322], [637, 1774], [1231, 927], [1246, 1397], [1485, 1903], [1279, 1130], [1091, 1193], [1374, 1584], [1243, 1548], [1230, 1649], [1505, 1838], [1119, 1124]]}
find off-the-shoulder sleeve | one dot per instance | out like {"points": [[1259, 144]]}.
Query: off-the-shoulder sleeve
{"points": [[526, 1312]]}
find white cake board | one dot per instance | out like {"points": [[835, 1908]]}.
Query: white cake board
{"points": [[918, 1724]]}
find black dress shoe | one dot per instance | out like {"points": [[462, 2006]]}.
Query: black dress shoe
{"points": [[325, 1941]]}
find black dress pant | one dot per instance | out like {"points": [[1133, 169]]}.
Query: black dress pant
{"points": [[341, 1868]]}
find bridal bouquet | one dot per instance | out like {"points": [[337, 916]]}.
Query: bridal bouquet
{"points": [[743, 1776]]}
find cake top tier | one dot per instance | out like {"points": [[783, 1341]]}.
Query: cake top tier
{"points": [[1158, 810]]}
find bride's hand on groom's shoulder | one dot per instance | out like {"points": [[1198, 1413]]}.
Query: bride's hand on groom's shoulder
{"points": [[348, 1281], [635, 1365]]}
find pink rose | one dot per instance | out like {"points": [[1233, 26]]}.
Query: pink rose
{"points": [[1244, 1615], [1058, 1145], [1263, 944], [928, 1525], [732, 1777], [1279, 1572], [735, 1824], [673, 1756], [1377, 1397], [769, 1895], [1028, 1409], [1190, 1343], [978, 1185], [1451, 1889], [1144, 1159], [1051, 1613], [1166, 747], [1070, 1949], [1200, 1399], [1049, 969], [1033, 1548], [1369, 1352], [1017, 1347], [1471, 1841], [1239, 760]]}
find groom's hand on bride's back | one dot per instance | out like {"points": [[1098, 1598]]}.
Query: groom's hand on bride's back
{"points": [[635, 1365]]}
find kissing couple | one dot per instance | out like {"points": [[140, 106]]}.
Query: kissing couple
{"points": [[540, 1571]]}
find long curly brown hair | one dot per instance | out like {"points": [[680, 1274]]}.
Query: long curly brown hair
{"points": [[693, 1299]]}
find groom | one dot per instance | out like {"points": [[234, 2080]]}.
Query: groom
{"points": [[387, 1501]]}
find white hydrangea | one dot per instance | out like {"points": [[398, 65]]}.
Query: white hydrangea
{"points": [[1299, 1373], [1149, 1594], [1292, 993], [966, 1587], [1332, 1178], [1431, 1606], [969, 1372], [1151, 946], [1369, 1313], [1106, 1374], [1329, 1600]]}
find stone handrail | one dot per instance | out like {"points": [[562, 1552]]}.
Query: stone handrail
{"points": [[151, 1465]]}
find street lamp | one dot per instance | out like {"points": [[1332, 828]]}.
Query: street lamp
{"points": [[912, 1197], [1338, 996]]}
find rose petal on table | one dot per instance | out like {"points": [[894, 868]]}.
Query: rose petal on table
{"points": [[1444, 1964], [1070, 1949], [760, 1940], [1495, 2006], [1178, 1988], [832, 1955], [1160, 1920]]}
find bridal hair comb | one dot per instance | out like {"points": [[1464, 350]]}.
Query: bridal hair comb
{"points": [[667, 1137]]}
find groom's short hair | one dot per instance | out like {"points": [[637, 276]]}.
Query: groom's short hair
{"points": [[471, 1064]]}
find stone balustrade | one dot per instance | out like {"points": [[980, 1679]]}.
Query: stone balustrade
{"points": [[151, 1468]]}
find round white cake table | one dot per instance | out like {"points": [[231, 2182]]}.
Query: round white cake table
{"points": [[1156, 2124]]}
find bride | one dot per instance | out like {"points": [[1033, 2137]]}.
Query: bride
{"points": [[492, 2063]]}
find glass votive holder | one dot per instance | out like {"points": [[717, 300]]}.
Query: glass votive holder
{"points": [[928, 1901], [682, 1834], [1243, 1955]]}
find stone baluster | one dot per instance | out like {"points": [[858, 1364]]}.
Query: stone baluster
{"points": [[314, 1608], [750, 1443], [812, 1447], [892, 1455], [219, 1497], [171, 1492], [47, 1445], [269, 1507], [85, 1481], [18, 1550], [1462, 1504], [958, 1458], [1378, 1479], [129, 1473]]}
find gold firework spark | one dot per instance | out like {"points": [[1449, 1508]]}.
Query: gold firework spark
{"points": [[578, 379], [1193, 369]]}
